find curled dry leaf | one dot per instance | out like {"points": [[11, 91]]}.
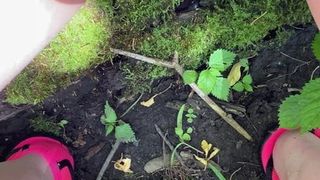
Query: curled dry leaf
{"points": [[123, 164], [149, 102], [206, 147]]}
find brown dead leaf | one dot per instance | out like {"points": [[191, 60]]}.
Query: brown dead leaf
{"points": [[234, 74]]}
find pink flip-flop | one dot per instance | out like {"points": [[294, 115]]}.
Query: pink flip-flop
{"points": [[54, 152], [268, 146]]}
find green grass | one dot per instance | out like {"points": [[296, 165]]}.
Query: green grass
{"points": [[41, 124], [81, 45]]}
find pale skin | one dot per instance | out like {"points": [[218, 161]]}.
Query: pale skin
{"points": [[28, 26]]}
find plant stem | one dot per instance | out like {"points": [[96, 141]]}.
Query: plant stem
{"points": [[175, 65], [169, 145], [108, 160], [174, 152]]}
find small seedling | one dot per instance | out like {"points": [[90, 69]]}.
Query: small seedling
{"points": [[183, 136], [62, 123], [190, 115], [123, 131], [211, 80]]}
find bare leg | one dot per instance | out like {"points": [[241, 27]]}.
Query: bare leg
{"points": [[296, 156], [30, 167]]}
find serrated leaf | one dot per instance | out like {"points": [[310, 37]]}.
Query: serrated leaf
{"points": [[316, 46], [189, 130], [221, 89], [221, 59], [207, 80], [247, 79], [289, 111], [189, 76], [124, 133], [244, 63], [110, 115], [234, 74], [109, 129], [238, 87], [302, 111], [186, 137], [310, 110]]}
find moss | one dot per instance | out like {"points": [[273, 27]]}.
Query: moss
{"points": [[81, 45], [237, 25], [41, 124]]}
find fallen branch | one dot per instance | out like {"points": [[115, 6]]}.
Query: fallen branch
{"points": [[108, 160], [175, 65]]}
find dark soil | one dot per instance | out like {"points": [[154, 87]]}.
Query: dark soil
{"points": [[274, 74]]}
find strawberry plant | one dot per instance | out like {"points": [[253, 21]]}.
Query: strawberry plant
{"points": [[302, 111], [212, 81], [123, 131]]}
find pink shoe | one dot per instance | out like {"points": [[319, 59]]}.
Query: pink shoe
{"points": [[267, 149], [54, 152]]}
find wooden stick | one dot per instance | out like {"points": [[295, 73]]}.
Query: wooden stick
{"points": [[175, 65], [108, 160]]}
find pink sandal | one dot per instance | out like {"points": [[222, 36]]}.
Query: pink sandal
{"points": [[54, 152], [267, 149]]}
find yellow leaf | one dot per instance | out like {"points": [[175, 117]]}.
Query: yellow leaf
{"points": [[123, 164], [215, 152], [235, 74], [202, 160], [149, 102], [206, 147]]}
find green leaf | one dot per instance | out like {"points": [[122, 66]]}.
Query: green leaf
{"points": [[207, 80], [180, 116], [238, 87], [216, 171], [189, 76], [221, 89], [186, 137], [178, 131], [124, 133], [190, 120], [310, 110], [248, 87], [110, 115], [247, 79], [289, 111], [189, 130], [221, 59], [245, 63], [302, 111], [190, 111], [109, 129], [63, 122], [316, 46]]}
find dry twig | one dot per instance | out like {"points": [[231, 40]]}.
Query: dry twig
{"points": [[175, 65], [108, 160]]}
